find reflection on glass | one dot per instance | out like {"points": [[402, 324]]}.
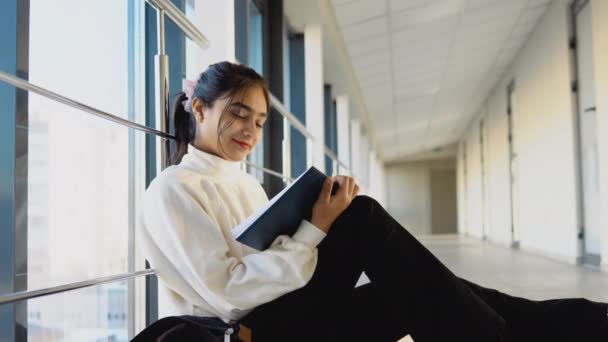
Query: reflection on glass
{"points": [[256, 61], [78, 169], [96, 313]]}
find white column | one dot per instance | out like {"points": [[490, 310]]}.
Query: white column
{"points": [[600, 54], [376, 179], [342, 118], [315, 123], [373, 186], [355, 145], [364, 163], [380, 173], [215, 19]]}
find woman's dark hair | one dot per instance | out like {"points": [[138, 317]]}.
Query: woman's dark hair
{"points": [[220, 80]]}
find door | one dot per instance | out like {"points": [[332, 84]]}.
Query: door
{"points": [[484, 199], [587, 123], [513, 167], [443, 202]]}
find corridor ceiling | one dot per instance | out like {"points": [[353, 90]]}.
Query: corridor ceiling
{"points": [[416, 71], [425, 66]]}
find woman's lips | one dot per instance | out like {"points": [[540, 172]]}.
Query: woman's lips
{"points": [[242, 144]]}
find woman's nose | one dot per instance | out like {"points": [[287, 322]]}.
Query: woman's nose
{"points": [[247, 131], [250, 127]]}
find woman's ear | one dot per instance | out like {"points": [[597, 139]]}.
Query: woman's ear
{"points": [[197, 109]]}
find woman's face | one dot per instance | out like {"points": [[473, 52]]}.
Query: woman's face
{"points": [[240, 128]]}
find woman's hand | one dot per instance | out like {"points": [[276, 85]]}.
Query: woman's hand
{"points": [[328, 207]]}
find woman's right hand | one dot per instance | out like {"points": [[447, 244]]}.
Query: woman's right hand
{"points": [[327, 208]]}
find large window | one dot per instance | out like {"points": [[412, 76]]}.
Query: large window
{"points": [[331, 125], [256, 61], [256, 38], [78, 179], [297, 102]]}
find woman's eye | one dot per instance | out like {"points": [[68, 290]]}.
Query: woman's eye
{"points": [[260, 125], [237, 114]]}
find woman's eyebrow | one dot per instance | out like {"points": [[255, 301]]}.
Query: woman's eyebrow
{"points": [[247, 108]]}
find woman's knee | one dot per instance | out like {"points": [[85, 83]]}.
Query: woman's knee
{"points": [[363, 202]]}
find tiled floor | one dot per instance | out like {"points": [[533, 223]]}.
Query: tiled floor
{"points": [[516, 272]]}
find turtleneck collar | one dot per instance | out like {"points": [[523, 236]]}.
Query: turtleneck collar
{"points": [[210, 163]]}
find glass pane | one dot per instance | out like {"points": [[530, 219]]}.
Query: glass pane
{"points": [[256, 61], [97, 313], [256, 39], [78, 168]]}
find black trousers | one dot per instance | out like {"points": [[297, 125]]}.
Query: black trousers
{"points": [[411, 292]]}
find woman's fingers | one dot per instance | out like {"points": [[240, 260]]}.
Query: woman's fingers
{"points": [[352, 188], [347, 186], [326, 191]]}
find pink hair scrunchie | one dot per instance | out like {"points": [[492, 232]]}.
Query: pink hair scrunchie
{"points": [[188, 87]]}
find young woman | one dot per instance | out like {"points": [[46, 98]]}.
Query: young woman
{"points": [[303, 287]]}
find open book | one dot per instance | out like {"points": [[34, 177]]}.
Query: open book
{"points": [[283, 214]]}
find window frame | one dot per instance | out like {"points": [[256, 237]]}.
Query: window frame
{"points": [[175, 48], [14, 123]]}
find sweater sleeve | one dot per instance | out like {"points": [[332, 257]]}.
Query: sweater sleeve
{"points": [[191, 256]]}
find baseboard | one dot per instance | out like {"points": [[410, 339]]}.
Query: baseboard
{"points": [[568, 259]]}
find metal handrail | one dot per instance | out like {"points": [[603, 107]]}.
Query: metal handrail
{"points": [[178, 17], [23, 295], [297, 124], [269, 171], [25, 85], [293, 120]]}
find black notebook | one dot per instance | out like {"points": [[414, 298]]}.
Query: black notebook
{"points": [[283, 214]]}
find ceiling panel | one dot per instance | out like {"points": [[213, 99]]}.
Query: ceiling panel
{"points": [[340, 2], [475, 4], [371, 59], [522, 30], [433, 12], [538, 3], [498, 11], [376, 73], [369, 46], [400, 5], [359, 11], [368, 29], [422, 32], [532, 15]]}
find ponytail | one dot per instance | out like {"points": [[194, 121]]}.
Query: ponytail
{"points": [[185, 128]]}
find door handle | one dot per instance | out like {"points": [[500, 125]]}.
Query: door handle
{"points": [[590, 109]]}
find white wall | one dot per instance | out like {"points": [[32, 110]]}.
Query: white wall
{"points": [[497, 169], [544, 134], [216, 21], [408, 193], [474, 203], [460, 189]]}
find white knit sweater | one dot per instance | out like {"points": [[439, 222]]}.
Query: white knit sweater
{"points": [[187, 215]]}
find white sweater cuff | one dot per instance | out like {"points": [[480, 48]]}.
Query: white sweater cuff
{"points": [[309, 234]]}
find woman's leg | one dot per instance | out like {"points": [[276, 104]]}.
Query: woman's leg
{"points": [[372, 319], [420, 293], [567, 319]]}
